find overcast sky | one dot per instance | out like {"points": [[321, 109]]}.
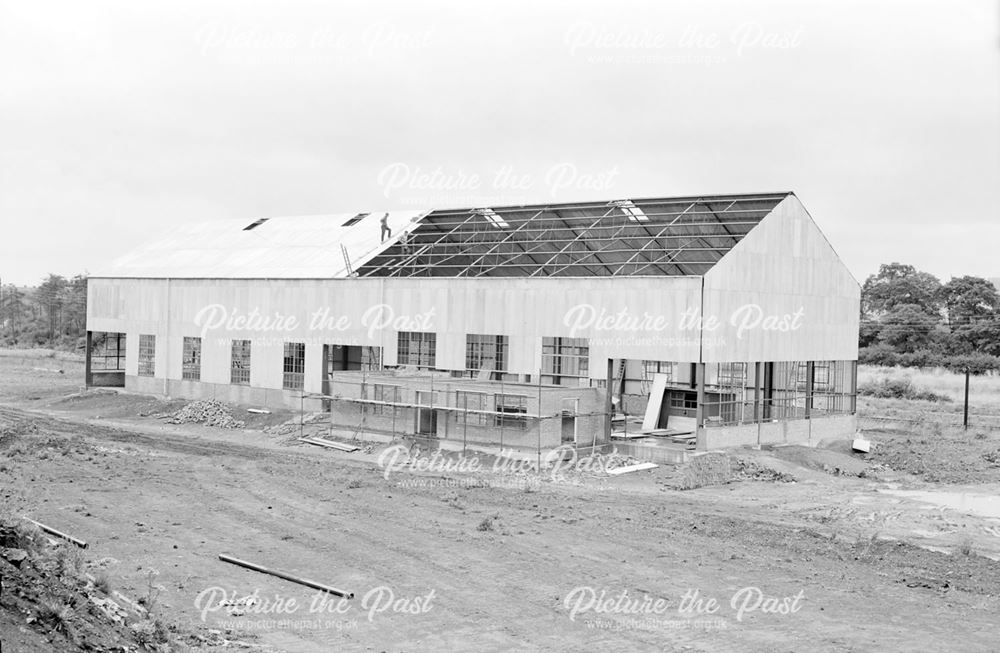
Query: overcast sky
{"points": [[122, 119]]}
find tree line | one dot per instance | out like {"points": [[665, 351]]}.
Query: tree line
{"points": [[52, 314], [910, 318]]}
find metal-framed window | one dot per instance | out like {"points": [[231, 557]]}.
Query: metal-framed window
{"points": [[732, 375], [294, 366], [107, 352], [651, 368], [725, 394], [472, 401], [788, 390], [239, 366], [834, 389], [191, 359], [485, 352], [416, 348], [147, 355], [823, 371], [565, 359], [512, 411], [384, 392], [371, 358]]}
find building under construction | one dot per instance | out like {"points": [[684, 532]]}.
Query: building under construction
{"points": [[694, 321]]}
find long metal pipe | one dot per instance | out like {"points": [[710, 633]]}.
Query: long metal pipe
{"points": [[52, 531], [285, 576]]}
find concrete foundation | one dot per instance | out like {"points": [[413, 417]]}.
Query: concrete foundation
{"points": [[799, 431]]}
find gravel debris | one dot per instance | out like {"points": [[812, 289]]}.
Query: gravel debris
{"points": [[208, 412]]}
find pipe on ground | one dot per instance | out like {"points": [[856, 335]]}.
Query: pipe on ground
{"points": [[60, 534], [288, 577]]}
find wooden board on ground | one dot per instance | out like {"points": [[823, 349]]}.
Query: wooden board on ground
{"points": [[631, 468], [349, 448], [652, 417], [621, 435]]}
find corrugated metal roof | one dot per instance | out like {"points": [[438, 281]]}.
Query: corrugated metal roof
{"points": [[298, 247]]}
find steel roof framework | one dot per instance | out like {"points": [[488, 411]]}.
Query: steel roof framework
{"points": [[679, 236]]}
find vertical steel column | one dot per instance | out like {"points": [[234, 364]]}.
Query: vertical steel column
{"points": [[538, 449], [608, 407], [88, 375], [810, 381], [699, 380]]}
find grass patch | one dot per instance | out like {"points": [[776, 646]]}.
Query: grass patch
{"points": [[56, 614], [984, 390], [102, 582]]}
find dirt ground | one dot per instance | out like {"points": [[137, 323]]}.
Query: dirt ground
{"points": [[781, 549]]}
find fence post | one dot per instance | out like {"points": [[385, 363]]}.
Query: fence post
{"points": [[965, 416]]}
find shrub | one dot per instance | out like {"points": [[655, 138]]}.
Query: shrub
{"points": [[898, 388], [975, 363], [921, 358], [880, 354]]}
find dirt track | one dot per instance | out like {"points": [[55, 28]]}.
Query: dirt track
{"points": [[171, 498]]}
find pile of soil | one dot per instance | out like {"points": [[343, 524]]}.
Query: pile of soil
{"points": [[718, 468], [836, 458], [960, 457]]}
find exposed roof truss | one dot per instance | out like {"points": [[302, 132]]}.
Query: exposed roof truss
{"points": [[677, 236]]}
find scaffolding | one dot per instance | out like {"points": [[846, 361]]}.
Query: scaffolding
{"points": [[513, 413]]}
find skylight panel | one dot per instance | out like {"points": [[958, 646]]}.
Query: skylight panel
{"points": [[356, 219], [633, 212], [493, 218]]}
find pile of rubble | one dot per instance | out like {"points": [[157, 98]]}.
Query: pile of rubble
{"points": [[615, 460], [282, 429], [295, 424], [208, 412], [751, 470]]}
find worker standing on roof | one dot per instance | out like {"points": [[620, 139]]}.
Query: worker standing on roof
{"points": [[404, 240], [386, 231]]}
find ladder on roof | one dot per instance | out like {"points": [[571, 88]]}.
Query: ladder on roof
{"points": [[347, 261]]}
